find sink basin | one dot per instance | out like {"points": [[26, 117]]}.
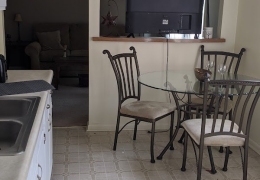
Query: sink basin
{"points": [[16, 119], [14, 108]]}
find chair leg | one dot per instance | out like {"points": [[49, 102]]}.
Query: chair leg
{"points": [[213, 169], [171, 130], [183, 168], [181, 139], [226, 159], [199, 168], [221, 150], [245, 162], [152, 143], [135, 130], [116, 132]]}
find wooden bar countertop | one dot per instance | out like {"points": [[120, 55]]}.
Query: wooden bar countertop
{"points": [[158, 39]]}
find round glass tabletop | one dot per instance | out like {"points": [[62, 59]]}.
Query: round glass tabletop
{"points": [[184, 81]]}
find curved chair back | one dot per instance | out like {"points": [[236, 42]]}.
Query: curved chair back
{"points": [[243, 107], [231, 60], [126, 69]]}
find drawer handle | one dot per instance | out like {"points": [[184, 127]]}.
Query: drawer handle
{"points": [[50, 127], [44, 138], [39, 177], [48, 106]]}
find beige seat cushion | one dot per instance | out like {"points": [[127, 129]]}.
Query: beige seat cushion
{"points": [[193, 127], [147, 109], [221, 109]]}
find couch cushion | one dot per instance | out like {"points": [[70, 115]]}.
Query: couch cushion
{"points": [[49, 40], [78, 37], [48, 27], [48, 55]]}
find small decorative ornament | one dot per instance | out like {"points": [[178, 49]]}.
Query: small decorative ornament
{"points": [[109, 26], [109, 20]]}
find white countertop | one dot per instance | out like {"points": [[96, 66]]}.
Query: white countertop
{"points": [[17, 167]]}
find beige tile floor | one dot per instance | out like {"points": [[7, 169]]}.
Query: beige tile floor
{"points": [[89, 156]]}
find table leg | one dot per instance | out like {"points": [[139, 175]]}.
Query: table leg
{"points": [[178, 126], [186, 117], [170, 142]]}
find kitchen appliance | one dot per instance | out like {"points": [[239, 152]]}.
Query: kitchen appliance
{"points": [[3, 69]]}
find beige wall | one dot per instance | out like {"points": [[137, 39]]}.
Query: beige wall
{"points": [[152, 57], [248, 28]]}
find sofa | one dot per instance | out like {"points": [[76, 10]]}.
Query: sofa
{"points": [[51, 40]]}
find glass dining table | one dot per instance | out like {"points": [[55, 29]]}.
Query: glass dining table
{"points": [[185, 82]]}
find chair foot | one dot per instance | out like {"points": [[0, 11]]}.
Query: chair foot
{"points": [[159, 158], [183, 169], [212, 171], [171, 148], [224, 169], [152, 161], [180, 141], [221, 150]]}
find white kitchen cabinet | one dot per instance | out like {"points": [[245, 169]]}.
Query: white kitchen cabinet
{"points": [[41, 164], [49, 143]]}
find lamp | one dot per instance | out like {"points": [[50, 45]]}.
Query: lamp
{"points": [[18, 19]]}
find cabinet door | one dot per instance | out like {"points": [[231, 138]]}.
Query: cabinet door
{"points": [[34, 163], [35, 171], [41, 165], [41, 157], [49, 145]]}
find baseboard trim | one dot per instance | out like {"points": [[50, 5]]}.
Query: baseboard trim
{"points": [[253, 145], [98, 127]]}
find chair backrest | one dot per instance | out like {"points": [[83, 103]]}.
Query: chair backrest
{"points": [[231, 60], [126, 68], [243, 107]]}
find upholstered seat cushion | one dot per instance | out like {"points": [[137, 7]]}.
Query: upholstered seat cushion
{"points": [[221, 109], [147, 109], [193, 127]]}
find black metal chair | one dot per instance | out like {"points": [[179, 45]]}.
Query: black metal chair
{"points": [[231, 60], [126, 70], [223, 132]]}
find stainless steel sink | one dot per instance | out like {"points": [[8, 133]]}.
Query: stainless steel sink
{"points": [[16, 119]]}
